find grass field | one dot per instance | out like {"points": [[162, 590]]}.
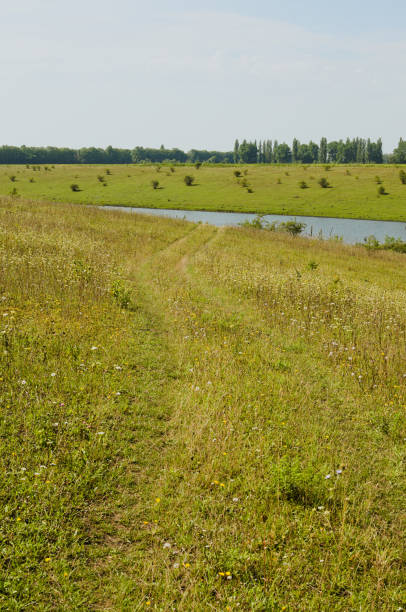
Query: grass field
{"points": [[195, 418], [274, 189]]}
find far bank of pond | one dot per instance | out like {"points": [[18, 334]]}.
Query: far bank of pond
{"points": [[350, 231]]}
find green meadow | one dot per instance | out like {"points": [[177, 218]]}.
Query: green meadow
{"points": [[195, 418], [292, 189]]}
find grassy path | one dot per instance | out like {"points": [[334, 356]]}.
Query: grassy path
{"points": [[258, 413]]}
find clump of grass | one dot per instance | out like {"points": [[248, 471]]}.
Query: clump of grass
{"points": [[74, 187], [155, 184], [189, 180], [303, 185], [382, 190]]}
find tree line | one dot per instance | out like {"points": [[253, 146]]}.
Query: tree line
{"points": [[356, 150]]}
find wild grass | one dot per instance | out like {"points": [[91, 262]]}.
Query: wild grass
{"points": [[349, 191], [196, 418]]}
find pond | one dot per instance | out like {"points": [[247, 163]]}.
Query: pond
{"points": [[350, 230]]}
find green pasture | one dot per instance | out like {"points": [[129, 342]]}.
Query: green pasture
{"points": [[290, 189]]}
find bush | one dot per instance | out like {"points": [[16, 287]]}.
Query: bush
{"points": [[155, 184], [237, 173], [122, 295], [12, 178], [291, 227], [108, 171], [323, 182], [75, 187], [378, 180], [303, 185], [189, 180], [390, 244], [100, 178], [197, 165], [14, 192], [32, 180], [382, 190], [402, 176]]}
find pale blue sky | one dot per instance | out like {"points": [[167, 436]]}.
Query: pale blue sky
{"points": [[200, 74]]}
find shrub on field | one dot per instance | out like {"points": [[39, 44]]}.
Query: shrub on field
{"points": [[402, 176], [12, 178], [237, 173], [14, 192], [324, 184], [382, 190], [189, 180], [75, 187], [303, 185], [378, 180], [197, 165], [155, 184]]}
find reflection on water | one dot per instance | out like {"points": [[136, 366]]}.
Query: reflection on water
{"points": [[350, 230]]}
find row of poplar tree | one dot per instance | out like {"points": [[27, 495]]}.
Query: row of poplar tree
{"points": [[357, 150]]}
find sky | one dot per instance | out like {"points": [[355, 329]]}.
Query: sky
{"points": [[201, 74]]}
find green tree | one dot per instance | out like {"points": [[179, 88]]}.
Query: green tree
{"points": [[323, 151], [236, 154], [295, 150], [399, 154], [248, 152]]}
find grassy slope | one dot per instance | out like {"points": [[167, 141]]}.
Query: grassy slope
{"points": [[353, 193], [229, 379]]}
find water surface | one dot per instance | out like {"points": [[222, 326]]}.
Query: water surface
{"points": [[350, 230]]}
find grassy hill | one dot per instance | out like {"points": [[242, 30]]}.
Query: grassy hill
{"points": [[353, 190], [195, 418]]}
